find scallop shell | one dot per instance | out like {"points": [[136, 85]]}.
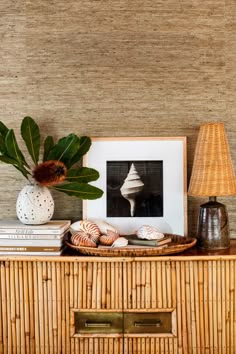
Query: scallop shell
{"points": [[120, 242], [81, 238], [88, 227], [132, 186], [104, 227], [149, 233], [107, 240]]}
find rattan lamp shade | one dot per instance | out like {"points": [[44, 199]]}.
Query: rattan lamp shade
{"points": [[212, 173]]}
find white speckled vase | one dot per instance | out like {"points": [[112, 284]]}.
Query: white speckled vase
{"points": [[35, 205]]}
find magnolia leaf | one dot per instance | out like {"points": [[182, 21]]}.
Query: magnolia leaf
{"points": [[13, 162], [48, 145], [24, 172], [65, 149], [13, 150], [3, 148], [31, 135], [85, 143], [82, 175], [79, 190], [7, 159], [3, 129]]}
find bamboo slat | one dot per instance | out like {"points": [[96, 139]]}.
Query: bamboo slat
{"points": [[15, 298], [22, 305], [13, 307]]}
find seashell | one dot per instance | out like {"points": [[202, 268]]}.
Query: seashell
{"points": [[104, 226], [120, 242], [87, 226], [132, 187], [81, 238], [149, 233], [107, 240]]}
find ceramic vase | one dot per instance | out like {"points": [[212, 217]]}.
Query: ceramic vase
{"points": [[35, 205]]}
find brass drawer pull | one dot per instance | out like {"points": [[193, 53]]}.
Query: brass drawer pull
{"points": [[147, 324], [98, 324]]}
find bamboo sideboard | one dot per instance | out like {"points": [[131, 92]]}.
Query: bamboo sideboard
{"points": [[44, 301]]}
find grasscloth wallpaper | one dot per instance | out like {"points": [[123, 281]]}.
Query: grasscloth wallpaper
{"points": [[117, 68]]}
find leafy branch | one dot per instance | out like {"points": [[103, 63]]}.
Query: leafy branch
{"points": [[57, 160]]}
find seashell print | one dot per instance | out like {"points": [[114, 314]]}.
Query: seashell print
{"points": [[87, 226], [107, 240], [149, 233], [81, 238], [132, 186], [120, 242], [104, 227]]}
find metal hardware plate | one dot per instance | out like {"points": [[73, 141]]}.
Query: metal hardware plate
{"points": [[98, 322], [158, 322]]}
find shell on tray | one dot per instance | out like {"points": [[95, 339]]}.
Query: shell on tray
{"points": [[81, 238], [104, 227], [88, 227], [109, 238], [149, 233], [120, 242]]}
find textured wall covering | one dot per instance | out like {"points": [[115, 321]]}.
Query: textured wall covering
{"points": [[117, 68]]}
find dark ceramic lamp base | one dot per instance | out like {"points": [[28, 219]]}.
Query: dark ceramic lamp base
{"points": [[213, 226]]}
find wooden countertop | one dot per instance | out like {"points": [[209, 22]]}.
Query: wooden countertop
{"points": [[194, 254]]}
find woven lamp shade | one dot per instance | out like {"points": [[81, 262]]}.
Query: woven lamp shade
{"points": [[212, 173]]}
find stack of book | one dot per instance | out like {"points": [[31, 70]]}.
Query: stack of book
{"points": [[19, 239]]}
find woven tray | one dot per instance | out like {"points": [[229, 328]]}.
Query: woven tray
{"points": [[177, 245]]}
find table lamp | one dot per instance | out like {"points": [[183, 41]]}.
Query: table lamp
{"points": [[212, 176]]}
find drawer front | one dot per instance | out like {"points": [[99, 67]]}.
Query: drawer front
{"points": [[98, 322], [142, 322]]}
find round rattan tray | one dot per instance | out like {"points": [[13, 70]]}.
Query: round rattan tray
{"points": [[177, 245]]}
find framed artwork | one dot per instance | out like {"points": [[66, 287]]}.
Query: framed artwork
{"points": [[144, 183]]}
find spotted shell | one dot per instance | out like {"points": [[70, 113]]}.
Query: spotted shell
{"points": [[88, 227], [107, 240], [120, 242], [81, 238], [149, 233]]}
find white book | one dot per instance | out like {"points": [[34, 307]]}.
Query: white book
{"points": [[54, 227], [30, 253], [32, 236], [29, 249], [30, 242]]}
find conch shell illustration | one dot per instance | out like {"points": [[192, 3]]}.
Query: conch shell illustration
{"points": [[132, 186]]}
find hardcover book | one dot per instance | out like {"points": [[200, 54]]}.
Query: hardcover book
{"points": [[54, 227], [134, 240]]}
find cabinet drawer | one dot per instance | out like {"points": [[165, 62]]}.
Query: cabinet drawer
{"points": [[98, 322], [143, 322]]}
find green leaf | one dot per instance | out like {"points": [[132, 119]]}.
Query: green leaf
{"points": [[82, 175], [13, 162], [8, 160], [31, 135], [65, 149], [3, 129], [24, 172], [85, 143], [48, 145], [3, 148], [79, 190], [13, 149]]}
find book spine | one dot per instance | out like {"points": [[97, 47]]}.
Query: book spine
{"points": [[22, 231], [33, 243], [30, 237], [21, 253], [143, 243], [29, 249]]}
